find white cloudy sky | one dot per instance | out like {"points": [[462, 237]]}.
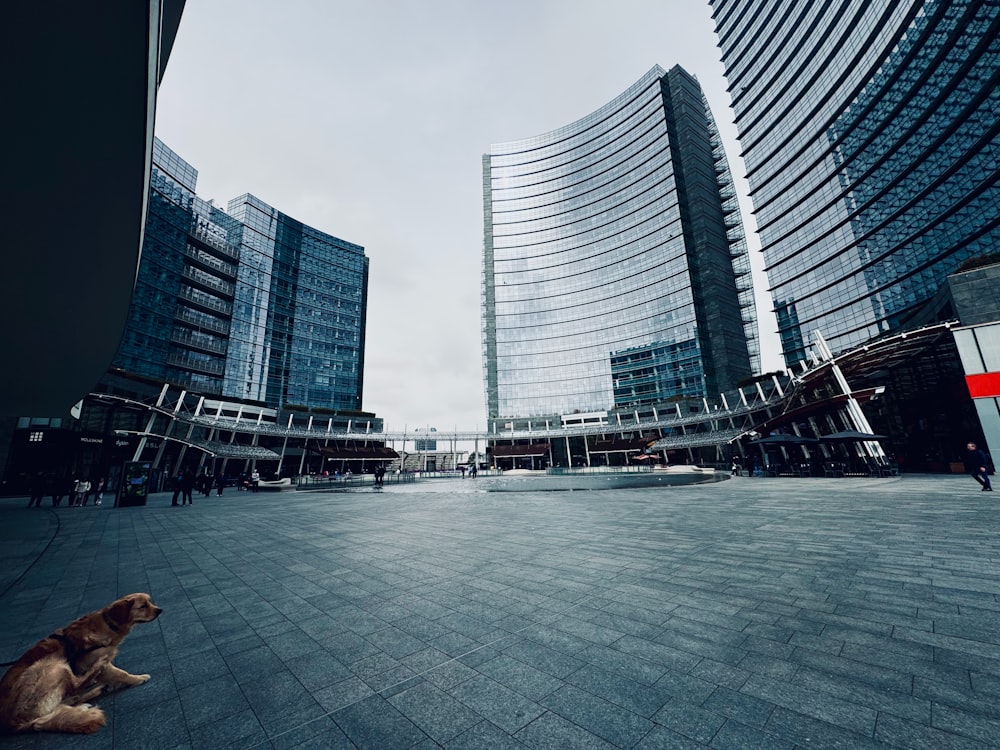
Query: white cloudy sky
{"points": [[368, 121]]}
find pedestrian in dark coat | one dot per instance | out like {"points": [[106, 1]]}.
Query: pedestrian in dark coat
{"points": [[977, 463], [187, 485]]}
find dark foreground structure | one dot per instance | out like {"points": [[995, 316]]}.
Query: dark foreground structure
{"points": [[774, 613], [82, 86]]}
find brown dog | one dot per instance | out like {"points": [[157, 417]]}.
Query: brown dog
{"points": [[47, 689]]}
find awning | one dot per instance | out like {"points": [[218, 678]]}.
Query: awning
{"points": [[849, 436], [500, 450], [782, 439], [355, 449], [621, 446], [235, 450]]}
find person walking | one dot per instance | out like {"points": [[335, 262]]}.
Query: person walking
{"points": [[187, 485], [37, 490], [220, 484], [254, 480], [61, 486], [977, 463], [177, 488], [80, 492]]}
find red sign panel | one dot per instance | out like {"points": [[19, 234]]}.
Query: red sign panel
{"points": [[985, 385]]}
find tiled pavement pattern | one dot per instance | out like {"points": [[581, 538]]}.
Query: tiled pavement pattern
{"points": [[753, 613]]}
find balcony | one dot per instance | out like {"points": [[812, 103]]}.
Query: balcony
{"points": [[180, 359], [187, 315], [230, 251], [217, 286], [209, 304], [209, 263], [186, 338]]}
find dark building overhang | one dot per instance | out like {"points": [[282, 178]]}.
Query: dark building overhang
{"points": [[355, 449], [80, 96]]}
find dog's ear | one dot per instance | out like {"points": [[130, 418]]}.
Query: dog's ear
{"points": [[120, 612]]}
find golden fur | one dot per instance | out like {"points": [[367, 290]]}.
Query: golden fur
{"points": [[47, 689]]}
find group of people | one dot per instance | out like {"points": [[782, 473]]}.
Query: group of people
{"points": [[184, 486], [79, 491], [186, 482]]}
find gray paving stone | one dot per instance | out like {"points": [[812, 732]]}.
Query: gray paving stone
{"points": [[161, 725], [342, 694], [317, 670], [806, 731], [440, 716], [736, 736], [484, 736], [688, 721], [555, 663], [519, 677], [240, 729], [816, 612], [902, 733], [743, 708], [814, 703], [670, 654], [899, 703], [956, 697], [497, 704], [211, 700], [863, 674], [611, 722], [374, 723], [974, 726], [553, 731]]}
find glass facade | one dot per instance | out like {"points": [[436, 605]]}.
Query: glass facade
{"points": [[179, 320], [615, 267], [299, 314], [247, 303], [872, 145]]}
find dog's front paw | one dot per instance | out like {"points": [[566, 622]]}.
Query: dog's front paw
{"points": [[141, 678]]}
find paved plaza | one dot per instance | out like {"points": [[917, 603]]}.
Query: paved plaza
{"points": [[751, 613]]}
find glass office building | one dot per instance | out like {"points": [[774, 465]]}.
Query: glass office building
{"points": [[872, 147], [298, 326], [245, 304], [616, 274], [178, 325]]}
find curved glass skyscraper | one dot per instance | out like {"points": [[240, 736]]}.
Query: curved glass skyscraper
{"points": [[615, 268], [872, 147]]}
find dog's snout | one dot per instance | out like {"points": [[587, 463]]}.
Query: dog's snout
{"points": [[157, 611]]}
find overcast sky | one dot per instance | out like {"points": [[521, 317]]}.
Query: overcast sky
{"points": [[368, 121]]}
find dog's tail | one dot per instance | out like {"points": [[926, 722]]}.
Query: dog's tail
{"points": [[82, 719]]}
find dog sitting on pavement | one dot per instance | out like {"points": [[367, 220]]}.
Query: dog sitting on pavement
{"points": [[48, 688]]}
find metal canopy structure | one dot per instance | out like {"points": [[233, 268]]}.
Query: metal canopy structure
{"points": [[810, 403], [506, 451], [353, 449]]}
